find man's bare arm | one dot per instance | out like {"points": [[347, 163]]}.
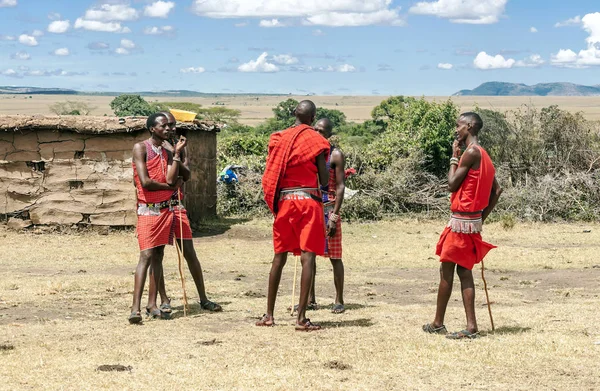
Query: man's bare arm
{"points": [[322, 169], [494, 197], [338, 162], [457, 174]]}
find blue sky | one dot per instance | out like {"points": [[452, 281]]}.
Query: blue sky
{"points": [[341, 47]]}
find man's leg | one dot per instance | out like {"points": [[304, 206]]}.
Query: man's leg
{"points": [[308, 261], [189, 253], [313, 297], [147, 258], [153, 292], [279, 261], [444, 292], [467, 285], [338, 280]]}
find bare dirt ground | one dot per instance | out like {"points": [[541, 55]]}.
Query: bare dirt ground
{"points": [[64, 302], [255, 109]]}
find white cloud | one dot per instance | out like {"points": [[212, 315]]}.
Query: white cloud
{"points": [[351, 19], [111, 13], [156, 30], [10, 73], [98, 45], [318, 33], [569, 22], [586, 57], [7, 37], [314, 12], [445, 66], [127, 44], [271, 23], [485, 61], [285, 59], [20, 56], [533, 30], [54, 16], [28, 40], [462, 11], [345, 68], [37, 33], [122, 51], [61, 52], [159, 9], [8, 3], [259, 65], [192, 70], [59, 26], [107, 27], [533, 61]]}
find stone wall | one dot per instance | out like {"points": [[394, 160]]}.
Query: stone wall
{"points": [[65, 177]]}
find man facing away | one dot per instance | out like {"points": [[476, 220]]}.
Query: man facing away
{"points": [[189, 253], [333, 197], [296, 164], [475, 192]]}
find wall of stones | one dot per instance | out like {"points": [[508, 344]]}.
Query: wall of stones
{"points": [[66, 178]]}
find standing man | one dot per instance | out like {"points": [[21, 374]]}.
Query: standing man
{"points": [[189, 252], [157, 176], [333, 197], [475, 192], [296, 164]]}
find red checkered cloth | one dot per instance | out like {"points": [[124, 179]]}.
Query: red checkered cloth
{"points": [[290, 147], [155, 231], [333, 245]]}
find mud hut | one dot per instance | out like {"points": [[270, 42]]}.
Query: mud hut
{"points": [[65, 170]]}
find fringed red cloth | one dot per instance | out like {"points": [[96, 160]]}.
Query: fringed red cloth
{"points": [[291, 147]]}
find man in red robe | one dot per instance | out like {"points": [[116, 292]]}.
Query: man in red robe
{"points": [[475, 192], [296, 164]]}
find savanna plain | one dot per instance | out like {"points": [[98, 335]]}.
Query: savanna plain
{"points": [[64, 302]]}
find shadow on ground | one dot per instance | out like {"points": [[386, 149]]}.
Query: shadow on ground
{"points": [[215, 227], [363, 322]]}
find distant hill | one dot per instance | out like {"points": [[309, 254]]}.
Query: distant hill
{"points": [[496, 88], [18, 90]]}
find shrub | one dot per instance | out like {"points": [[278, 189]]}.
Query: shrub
{"points": [[131, 105], [70, 107]]}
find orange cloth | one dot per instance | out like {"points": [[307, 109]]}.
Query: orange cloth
{"points": [[463, 249], [290, 148]]}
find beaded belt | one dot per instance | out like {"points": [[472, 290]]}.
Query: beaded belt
{"points": [[466, 223], [300, 194], [154, 208]]}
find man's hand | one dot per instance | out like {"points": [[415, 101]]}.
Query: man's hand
{"points": [[331, 228], [456, 149], [181, 144], [178, 183]]}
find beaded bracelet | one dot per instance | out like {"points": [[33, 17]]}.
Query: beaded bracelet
{"points": [[333, 217]]}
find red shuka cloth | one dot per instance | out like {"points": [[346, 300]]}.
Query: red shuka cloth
{"points": [[294, 148], [467, 250], [157, 171]]}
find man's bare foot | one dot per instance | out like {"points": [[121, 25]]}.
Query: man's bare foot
{"points": [[266, 321]]}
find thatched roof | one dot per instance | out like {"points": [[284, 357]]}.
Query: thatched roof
{"points": [[90, 124]]}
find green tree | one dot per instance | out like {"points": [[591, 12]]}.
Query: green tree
{"points": [[336, 117], [127, 104]]}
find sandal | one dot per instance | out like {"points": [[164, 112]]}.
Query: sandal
{"points": [[266, 321], [309, 307], [431, 329], [135, 317], [464, 334], [338, 309], [307, 325], [166, 307], [157, 314], [210, 306]]}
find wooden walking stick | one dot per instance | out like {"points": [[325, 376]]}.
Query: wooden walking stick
{"points": [[487, 296], [294, 286], [180, 255]]}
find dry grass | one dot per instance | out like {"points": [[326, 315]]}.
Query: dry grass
{"points": [[256, 109], [64, 301]]}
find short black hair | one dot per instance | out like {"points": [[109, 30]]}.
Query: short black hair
{"points": [[152, 118], [475, 119]]}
